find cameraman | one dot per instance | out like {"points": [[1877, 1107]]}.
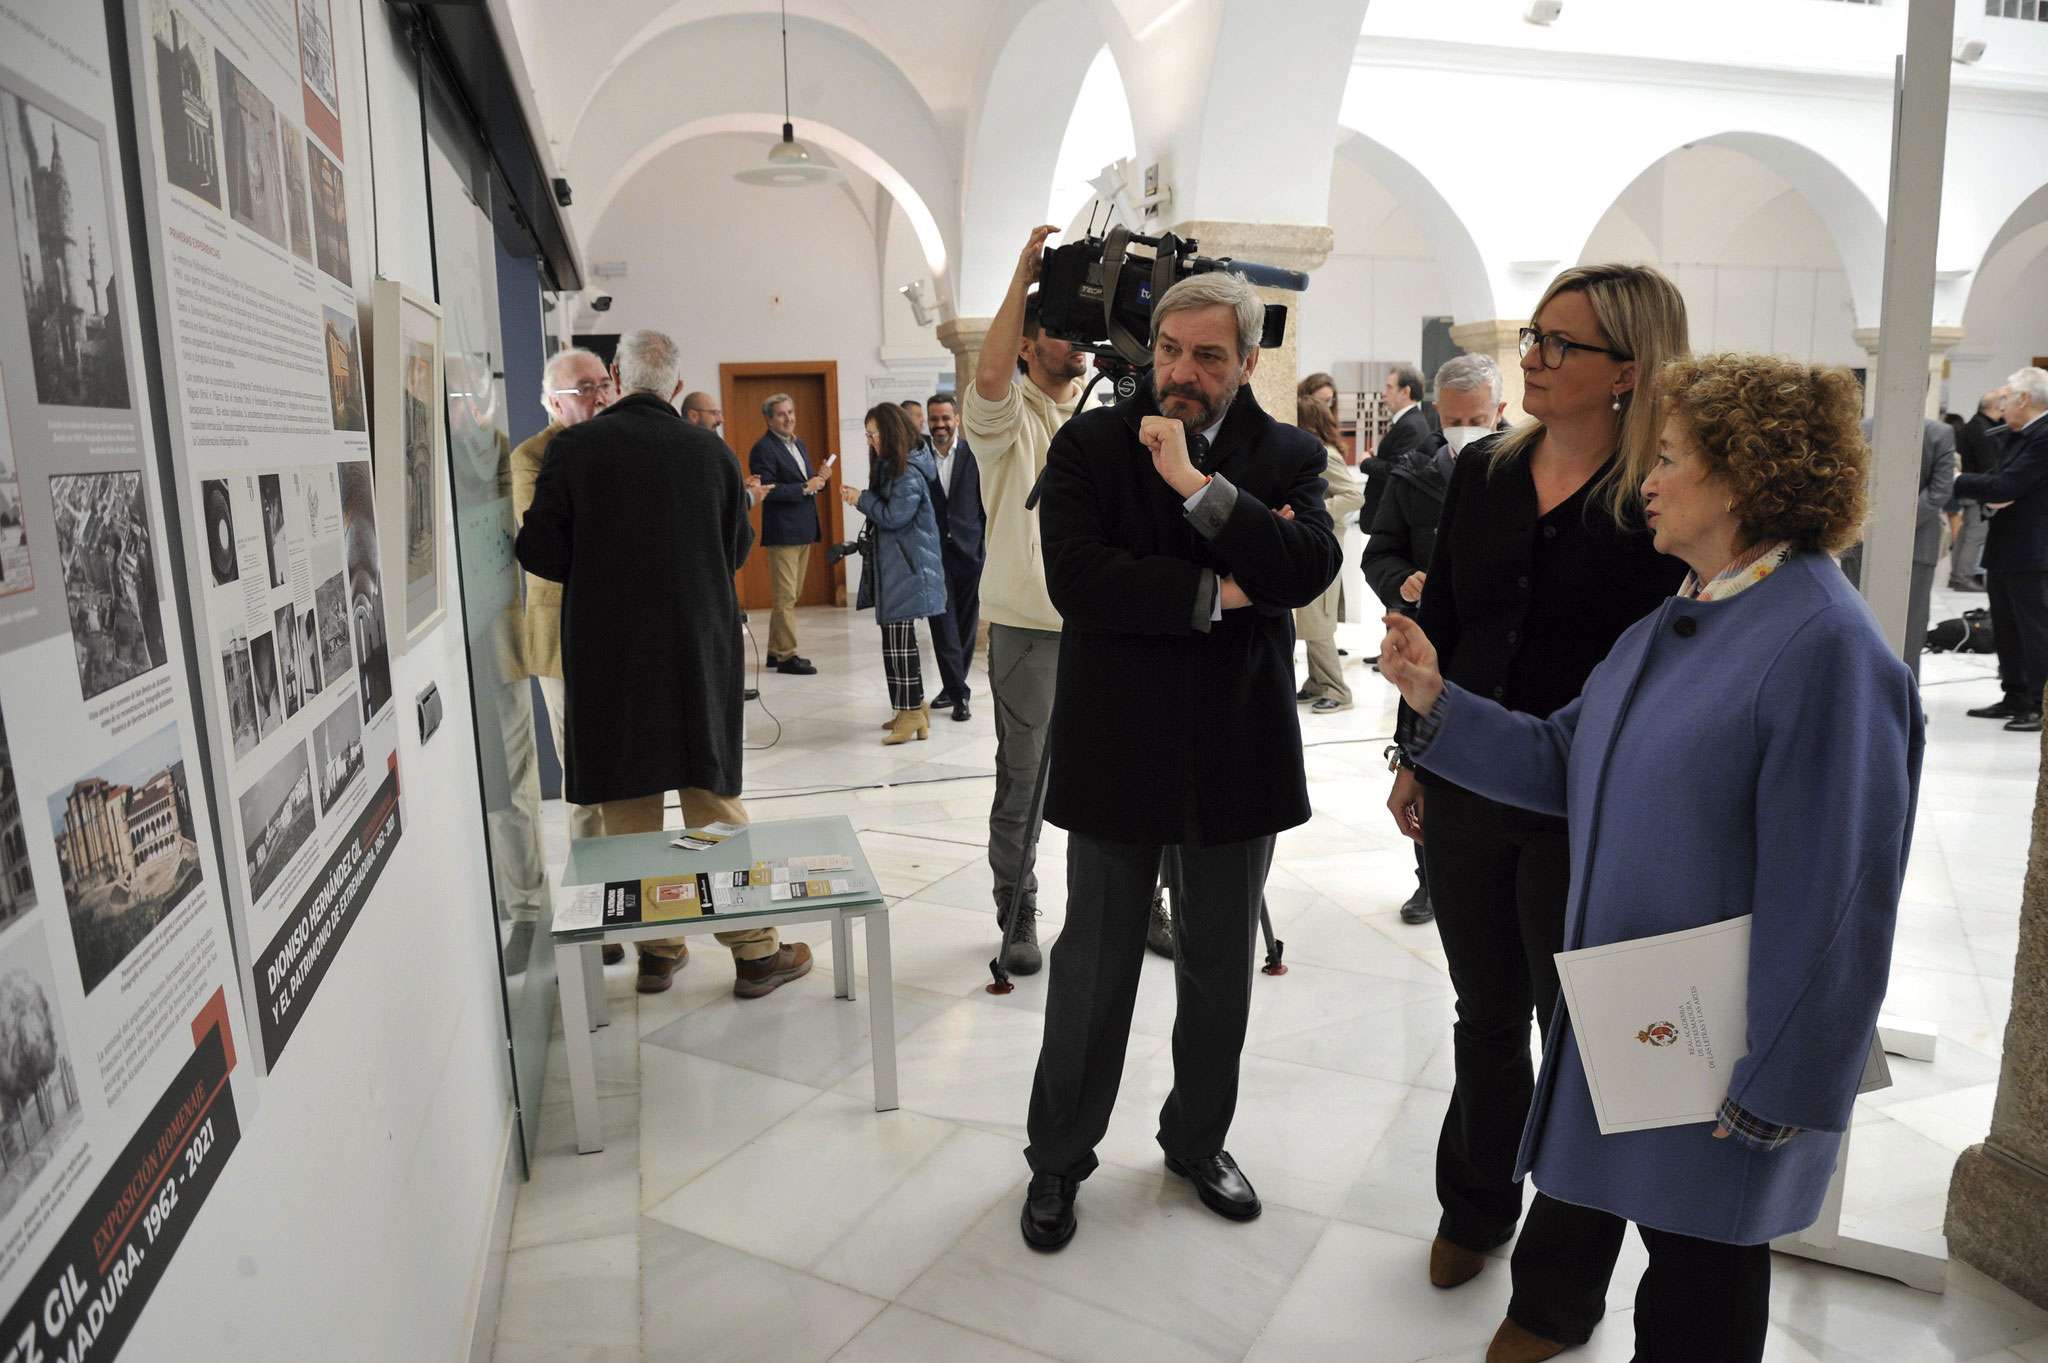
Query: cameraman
{"points": [[1177, 729], [1024, 389]]}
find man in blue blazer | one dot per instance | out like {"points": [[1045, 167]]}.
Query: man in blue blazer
{"points": [[790, 483], [961, 522], [2016, 552]]}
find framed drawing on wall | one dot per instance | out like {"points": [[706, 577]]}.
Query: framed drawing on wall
{"points": [[410, 459]]}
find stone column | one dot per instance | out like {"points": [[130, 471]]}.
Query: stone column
{"points": [[1499, 338], [1941, 341], [1998, 1199], [963, 337], [1290, 248]]}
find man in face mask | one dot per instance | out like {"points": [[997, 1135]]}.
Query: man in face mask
{"points": [[1403, 528]]}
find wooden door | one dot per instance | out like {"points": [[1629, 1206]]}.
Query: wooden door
{"points": [[814, 385]]}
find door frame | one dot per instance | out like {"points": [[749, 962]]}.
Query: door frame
{"points": [[828, 371]]}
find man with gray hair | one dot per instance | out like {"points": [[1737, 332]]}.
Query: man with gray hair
{"points": [[643, 520], [2016, 552], [788, 483], [1181, 529]]}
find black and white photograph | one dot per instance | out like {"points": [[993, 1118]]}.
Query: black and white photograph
{"points": [[17, 570], [309, 657], [330, 612], [17, 881], [270, 490], [296, 212], [345, 372], [125, 849], [422, 560], [330, 213], [57, 185], [249, 155], [338, 753], [108, 564], [286, 633], [240, 684], [185, 102], [218, 508], [40, 1111], [365, 586], [263, 672], [316, 53], [277, 818]]}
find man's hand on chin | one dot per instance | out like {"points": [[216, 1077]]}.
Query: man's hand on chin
{"points": [[1167, 439]]}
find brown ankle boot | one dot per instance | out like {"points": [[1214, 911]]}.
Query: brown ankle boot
{"points": [[1451, 1264], [756, 979], [1513, 1344], [910, 724]]}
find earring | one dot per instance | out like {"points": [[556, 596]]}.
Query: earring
{"points": [[1617, 402]]}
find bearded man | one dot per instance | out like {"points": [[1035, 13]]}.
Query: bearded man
{"points": [[1181, 528]]}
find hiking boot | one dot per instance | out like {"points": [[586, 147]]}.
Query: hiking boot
{"points": [[656, 970], [1022, 956], [757, 979]]}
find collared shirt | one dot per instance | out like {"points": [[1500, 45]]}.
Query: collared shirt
{"points": [[796, 453], [945, 462]]}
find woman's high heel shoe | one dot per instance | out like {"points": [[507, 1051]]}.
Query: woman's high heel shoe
{"points": [[910, 724]]}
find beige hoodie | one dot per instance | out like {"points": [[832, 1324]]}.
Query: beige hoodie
{"points": [[1010, 439]]}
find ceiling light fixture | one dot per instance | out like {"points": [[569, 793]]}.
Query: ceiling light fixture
{"points": [[789, 161]]}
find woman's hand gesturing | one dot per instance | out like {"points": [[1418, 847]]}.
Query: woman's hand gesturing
{"points": [[1408, 660]]}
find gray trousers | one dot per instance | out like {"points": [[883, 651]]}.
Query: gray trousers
{"points": [[1917, 607], [1023, 672], [1966, 559], [1094, 984]]}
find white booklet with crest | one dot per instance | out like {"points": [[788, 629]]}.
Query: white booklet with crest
{"points": [[1660, 1022]]}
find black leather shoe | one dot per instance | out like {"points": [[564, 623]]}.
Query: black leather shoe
{"points": [[796, 667], [750, 694], [1418, 908], [2005, 709], [2024, 724], [1048, 1220], [943, 699], [1222, 1187], [960, 712]]}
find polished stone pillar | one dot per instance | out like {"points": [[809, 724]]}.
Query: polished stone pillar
{"points": [[963, 337], [1498, 338], [1941, 341], [1998, 1199], [1290, 248]]}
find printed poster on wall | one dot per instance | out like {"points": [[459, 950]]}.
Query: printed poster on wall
{"points": [[119, 1000], [251, 232]]}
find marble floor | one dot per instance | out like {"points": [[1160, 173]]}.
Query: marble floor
{"points": [[749, 1204]]}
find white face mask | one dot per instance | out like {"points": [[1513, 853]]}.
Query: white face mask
{"points": [[1458, 437]]}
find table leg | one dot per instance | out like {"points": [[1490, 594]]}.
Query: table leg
{"points": [[593, 987], [573, 978], [881, 1009], [842, 956]]}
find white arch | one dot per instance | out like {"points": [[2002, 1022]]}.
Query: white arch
{"points": [[1456, 251], [723, 75], [2022, 231]]}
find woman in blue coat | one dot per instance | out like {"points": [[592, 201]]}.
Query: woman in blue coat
{"points": [[1751, 747], [910, 576]]}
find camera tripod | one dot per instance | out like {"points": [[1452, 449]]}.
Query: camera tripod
{"points": [[1170, 880]]}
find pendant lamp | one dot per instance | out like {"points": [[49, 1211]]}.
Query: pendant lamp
{"points": [[790, 165]]}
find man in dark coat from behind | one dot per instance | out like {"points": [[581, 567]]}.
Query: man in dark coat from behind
{"points": [[643, 519], [1181, 528]]}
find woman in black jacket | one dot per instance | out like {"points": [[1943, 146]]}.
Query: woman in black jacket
{"points": [[1540, 563]]}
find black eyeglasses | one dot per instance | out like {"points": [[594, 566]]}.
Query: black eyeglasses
{"points": [[1555, 348]]}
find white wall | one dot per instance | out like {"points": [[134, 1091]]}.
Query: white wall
{"points": [[2005, 327], [351, 1222]]}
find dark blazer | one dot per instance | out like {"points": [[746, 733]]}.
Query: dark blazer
{"points": [[1522, 607], [1403, 531], [643, 518], [1410, 432], [1165, 730], [1977, 445], [962, 522], [1937, 481], [2016, 541], [789, 515]]}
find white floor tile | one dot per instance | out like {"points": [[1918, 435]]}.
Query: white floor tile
{"points": [[694, 1112], [901, 1335], [584, 1293], [711, 1304]]}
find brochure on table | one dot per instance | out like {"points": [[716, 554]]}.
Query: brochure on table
{"points": [[700, 894], [258, 267], [120, 1010]]}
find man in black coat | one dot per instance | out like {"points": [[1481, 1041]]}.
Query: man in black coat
{"points": [[789, 482], [1402, 533], [1977, 449], [1409, 431], [1180, 528], [643, 519], [2016, 552], [961, 534]]}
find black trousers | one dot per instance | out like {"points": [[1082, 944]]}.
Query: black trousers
{"points": [[1498, 879], [954, 628], [1094, 984], [2019, 629], [1699, 1301]]}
